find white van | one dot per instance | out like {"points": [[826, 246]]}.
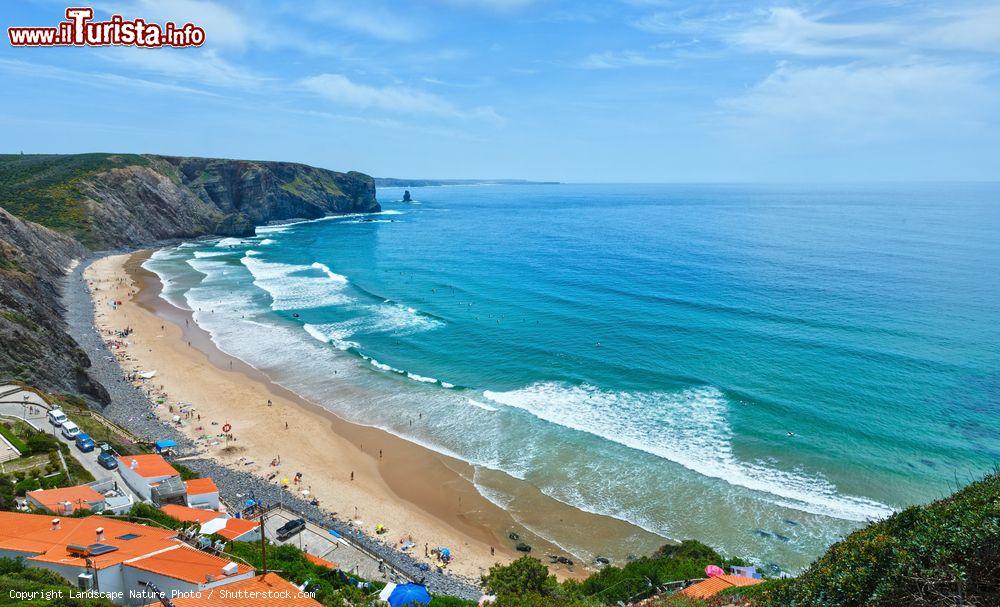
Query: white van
{"points": [[57, 417], [70, 430]]}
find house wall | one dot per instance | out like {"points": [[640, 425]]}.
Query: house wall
{"points": [[204, 500], [140, 484]]}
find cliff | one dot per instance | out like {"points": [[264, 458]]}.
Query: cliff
{"points": [[114, 200], [53, 208], [34, 346]]}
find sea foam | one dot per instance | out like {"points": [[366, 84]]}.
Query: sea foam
{"points": [[295, 287], [689, 428]]}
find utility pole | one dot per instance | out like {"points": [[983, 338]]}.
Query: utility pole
{"points": [[263, 533]]}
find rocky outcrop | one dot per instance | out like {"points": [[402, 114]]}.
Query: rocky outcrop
{"points": [[34, 346], [174, 197], [111, 201]]}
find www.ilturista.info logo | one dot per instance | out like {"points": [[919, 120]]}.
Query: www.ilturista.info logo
{"points": [[79, 29]]}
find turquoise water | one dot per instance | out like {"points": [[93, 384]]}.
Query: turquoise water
{"points": [[644, 351]]}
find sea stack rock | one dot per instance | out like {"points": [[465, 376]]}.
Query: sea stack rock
{"points": [[406, 196]]}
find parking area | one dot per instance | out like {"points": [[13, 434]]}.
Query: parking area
{"points": [[33, 409], [319, 542]]}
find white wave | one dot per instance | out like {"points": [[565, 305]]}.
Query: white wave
{"points": [[421, 378], [383, 366], [202, 254], [482, 405], [445, 384], [252, 252], [329, 334], [330, 273], [267, 241], [275, 229], [390, 212], [290, 286], [398, 319], [230, 242], [689, 428]]}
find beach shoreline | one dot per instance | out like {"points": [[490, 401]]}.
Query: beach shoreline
{"points": [[418, 494]]}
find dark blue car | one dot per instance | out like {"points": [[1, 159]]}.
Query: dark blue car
{"points": [[84, 442], [107, 457]]}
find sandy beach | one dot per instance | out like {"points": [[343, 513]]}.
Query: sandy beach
{"points": [[359, 473]]}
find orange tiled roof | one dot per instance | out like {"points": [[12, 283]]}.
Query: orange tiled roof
{"points": [[236, 527], [187, 564], [33, 536], [150, 465], [189, 515], [714, 585], [200, 486], [80, 496], [256, 592], [322, 562]]}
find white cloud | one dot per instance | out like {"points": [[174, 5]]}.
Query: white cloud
{"points": [[619, 59], [341, 90], [366, 19], [193, 65], [223, 27], [501, 5], [788, 31], [98, 79], [963, 28], [858, 103]]}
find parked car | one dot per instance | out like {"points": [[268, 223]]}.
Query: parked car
{"points": [[70, 430], [291, 528], [107, 458], [85, 443], [57, 417]]}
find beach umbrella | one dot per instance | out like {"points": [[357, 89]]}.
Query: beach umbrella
{"points": [[445, 554], [407, 595], [713, 571]]}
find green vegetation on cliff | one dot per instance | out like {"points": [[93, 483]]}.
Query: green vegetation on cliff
{"points": [[112, 200], [45, 188], [941, 554]]}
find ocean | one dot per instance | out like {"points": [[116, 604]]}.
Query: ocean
{"points": [[760, 367]]}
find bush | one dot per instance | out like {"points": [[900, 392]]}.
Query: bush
{"points": [[945, 553], [40, 442]]}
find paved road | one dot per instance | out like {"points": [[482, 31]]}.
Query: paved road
{"points": [[13, 405], [317, 541]]}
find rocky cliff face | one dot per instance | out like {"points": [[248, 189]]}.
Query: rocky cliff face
{"points": [[34, 347], [108, 201]]}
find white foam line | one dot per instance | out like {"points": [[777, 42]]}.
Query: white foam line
{"points": [[688, 428]]}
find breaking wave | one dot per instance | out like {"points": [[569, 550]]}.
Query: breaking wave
{"points": [[689, 428]]}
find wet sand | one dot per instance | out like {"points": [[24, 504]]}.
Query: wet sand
{"points": [[413, 491]]}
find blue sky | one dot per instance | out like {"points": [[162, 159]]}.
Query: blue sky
{"points": [[620, 90]]}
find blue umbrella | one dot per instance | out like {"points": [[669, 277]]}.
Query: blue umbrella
{"points": [[406, 595]]}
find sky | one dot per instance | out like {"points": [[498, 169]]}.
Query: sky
{"points": [[611, 91]]}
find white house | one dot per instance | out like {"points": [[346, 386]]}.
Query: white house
{"points": [[143, 472], [112, 556], [202, 493]]}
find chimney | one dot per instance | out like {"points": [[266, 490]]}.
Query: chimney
{"points": [[67, 507], [100, 534], [55, 524], [133, 464], [230, 569]]}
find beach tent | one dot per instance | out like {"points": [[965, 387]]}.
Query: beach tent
{"points": [[406, 595], [162, 445]]}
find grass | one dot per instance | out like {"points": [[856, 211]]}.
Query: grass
{"points": [[19, 318], [8, 432]]}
